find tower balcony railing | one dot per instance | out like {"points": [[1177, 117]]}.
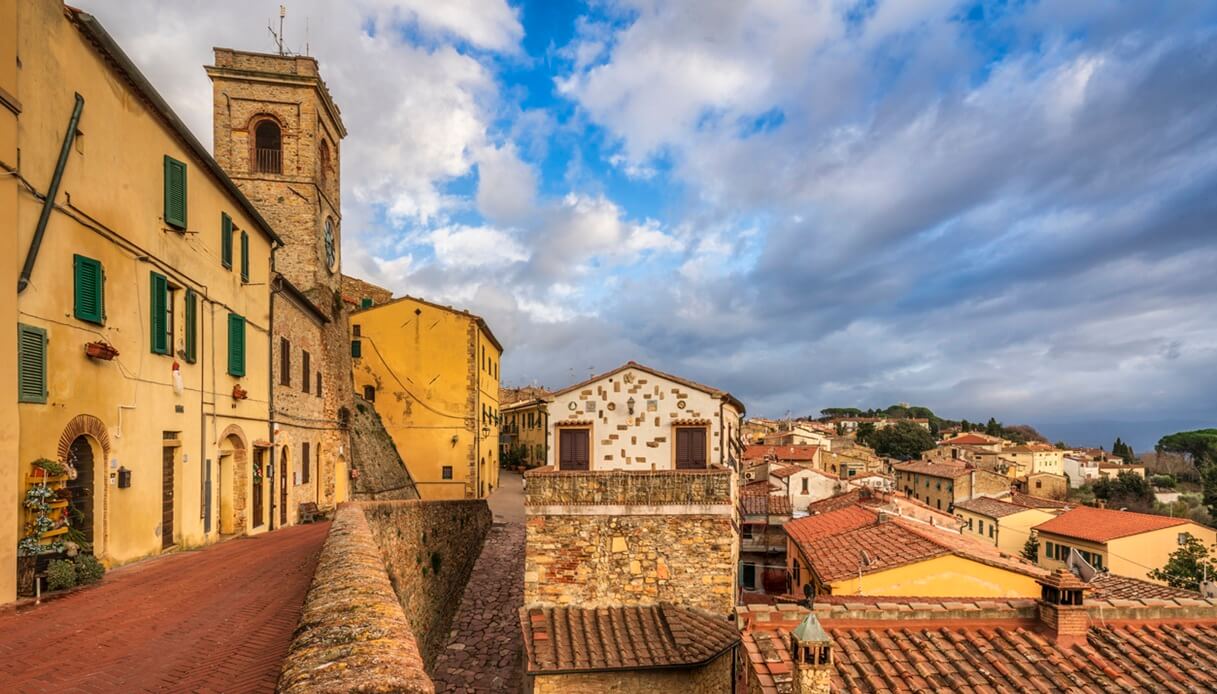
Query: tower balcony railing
{"points": [[268, 160]]}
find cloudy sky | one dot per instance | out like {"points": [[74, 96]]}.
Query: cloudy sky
{"points": [[1003, 209]]}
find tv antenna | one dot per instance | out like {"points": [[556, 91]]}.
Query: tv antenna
{"points": [[278, 37]]}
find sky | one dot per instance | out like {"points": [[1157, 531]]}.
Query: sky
{"points": [[999, 209]]}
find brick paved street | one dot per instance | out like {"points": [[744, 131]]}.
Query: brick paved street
{"points": [[215, 620], [484, 652]]}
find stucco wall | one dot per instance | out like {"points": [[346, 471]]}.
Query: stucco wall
{"points": [[9, 517], [115, 176], [644, 440], [945, 576], [712, 678]]}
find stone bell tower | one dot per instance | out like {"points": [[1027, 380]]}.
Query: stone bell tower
{"points": [[277, 135]]}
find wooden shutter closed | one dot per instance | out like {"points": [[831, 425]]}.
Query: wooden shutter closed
{"points": [[159, 318], [304, 463], [690, 448], [90, 295], [226, 240], [175, 193], [356, 349], [192, 331], [236, 345], [285, 362], [306, 373], [573, 449], [31, 364], [244, 257]]}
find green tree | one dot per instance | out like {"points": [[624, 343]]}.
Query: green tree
{"points": [[965, 426], [1031, 549], [865, 432], [1187, 566], [1208, 486], [903, 440], [1126, 490], [1199, 445], [993, 428]]}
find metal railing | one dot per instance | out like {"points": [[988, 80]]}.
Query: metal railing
{"points": [[268, 160]]}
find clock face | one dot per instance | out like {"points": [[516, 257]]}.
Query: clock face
{"points": [[331, 253]]}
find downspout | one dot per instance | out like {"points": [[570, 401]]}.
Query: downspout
{"points": [[270, 391], [52, 192]]}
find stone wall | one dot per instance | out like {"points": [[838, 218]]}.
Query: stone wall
{"points": [[387, 585], [549, 487], [712, 678], [429, 549], [374, 457], [355, 290]]}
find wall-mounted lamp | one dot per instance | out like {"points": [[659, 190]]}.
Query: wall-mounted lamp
{"points": [[485, 431], [629, 405]]}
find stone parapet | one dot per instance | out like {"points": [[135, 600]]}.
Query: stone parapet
{"points": [[388, 583], [549, 487]]}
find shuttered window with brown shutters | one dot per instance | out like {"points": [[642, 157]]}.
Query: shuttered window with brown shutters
{"points": [[690, 448], [573, 449]]}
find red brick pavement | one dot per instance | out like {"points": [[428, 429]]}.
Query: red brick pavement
{"points": [[485, 647], [215, 620]]}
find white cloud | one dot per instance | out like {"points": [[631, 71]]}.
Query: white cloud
{"points": [[507, 187], [491, 25], [475, 247]]}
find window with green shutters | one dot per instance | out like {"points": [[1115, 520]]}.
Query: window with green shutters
{"points": [[31, 364], [192, 328], [90, 295], [236, 345], [356, 349], [175, 193], [244, 257], [226, 240], [365, 302], [160, 317]]}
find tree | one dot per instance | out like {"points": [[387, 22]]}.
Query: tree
{"points": [[1031, 550], [1124, 451], [965, 426], [993, 428], [1187, 566], [903, 440], [1126, 490], [865, 431], [1208, 486]]}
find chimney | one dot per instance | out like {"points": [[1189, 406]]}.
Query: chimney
{"points": [[1062, 609], [811, 651]]}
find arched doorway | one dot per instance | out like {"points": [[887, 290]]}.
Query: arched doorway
{"points": [[80, 457], [234, 471], [259, 473]]}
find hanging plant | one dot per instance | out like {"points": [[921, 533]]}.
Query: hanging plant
{"points": [[49, 468]]}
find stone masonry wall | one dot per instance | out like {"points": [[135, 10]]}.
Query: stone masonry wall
{"points": [[381, 472], [548, 486], [429, 549], [353, 634], [712, 678], [603, 560]]}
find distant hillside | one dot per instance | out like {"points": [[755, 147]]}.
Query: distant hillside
{"points": [[1022, 433]]}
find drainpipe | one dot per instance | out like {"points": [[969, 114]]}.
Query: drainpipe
{"points": [[270, 392], [52, 192]]}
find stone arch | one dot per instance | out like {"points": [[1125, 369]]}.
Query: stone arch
{"points": [[235, 479], [83, 424], [265, 144]]}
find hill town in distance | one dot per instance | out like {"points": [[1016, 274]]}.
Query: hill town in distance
{"points": [[266, 430]]}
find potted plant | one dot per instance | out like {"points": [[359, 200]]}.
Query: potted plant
{"points": [[45, 467], [100, 350], [239, 393]]}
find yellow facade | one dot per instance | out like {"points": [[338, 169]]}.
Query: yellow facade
{"points": [[432, 373], [942, 577], [524, 426], [1133, 556], [10, 109], [186, 443], [1008, 533]]}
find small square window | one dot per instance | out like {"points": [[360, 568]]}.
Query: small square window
{"points": [[446, 472]]}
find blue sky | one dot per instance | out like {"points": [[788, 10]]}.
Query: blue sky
{"points": [[993, 209]]}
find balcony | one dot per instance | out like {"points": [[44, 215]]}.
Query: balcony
{"points": [[548, 487], [268, 160]]}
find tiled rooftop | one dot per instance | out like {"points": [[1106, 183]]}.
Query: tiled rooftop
{"points": [[759, 487], [1109, 586], [1030, 501], [945, 469], [835, 503], [765, 505], [568, 639], [886, 545], [812, 528], [1101, 525], [759, 451], [790, 470], [993, 508]]}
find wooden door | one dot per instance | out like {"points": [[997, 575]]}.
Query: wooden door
{"points": [[690, 448], [167, 469], [259, 471], [573, 449], [80, 455], [284, 471]]}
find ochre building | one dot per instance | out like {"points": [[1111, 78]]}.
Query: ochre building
{"points": [[432, 374], [144, 316]]}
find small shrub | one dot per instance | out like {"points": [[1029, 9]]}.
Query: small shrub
{"points": [[88, 569], [60, 574]]}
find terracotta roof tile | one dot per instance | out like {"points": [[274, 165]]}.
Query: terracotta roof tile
{"points": [[1101, 525], [805, 530], [945, 469], [993, 508], [971, 439], [781, 453], [1030, 501], [789, 470], [761, 487], [1105, 586], [765, 505], [886, 545], [835, 503], [570, 639]]}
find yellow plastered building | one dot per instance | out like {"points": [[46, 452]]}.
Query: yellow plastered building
{"points": [[1002, 524], [432, 374], [143, 302], [10, 110]]}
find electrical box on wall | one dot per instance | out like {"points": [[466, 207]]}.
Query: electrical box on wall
{"points": [[124, 478]]}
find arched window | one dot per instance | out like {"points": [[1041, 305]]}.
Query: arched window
{"points": [[323, 160], [268, 147]]}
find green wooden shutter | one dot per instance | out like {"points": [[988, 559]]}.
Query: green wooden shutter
{"points": [[365, 302], [226, 240], [159, 314], [90, 303], [236, 345], [244, 257], [175, 192], [31, 364], [192, 336], [356, 348]]}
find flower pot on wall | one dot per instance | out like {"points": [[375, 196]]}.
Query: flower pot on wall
{"points": [[100, 350]]}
